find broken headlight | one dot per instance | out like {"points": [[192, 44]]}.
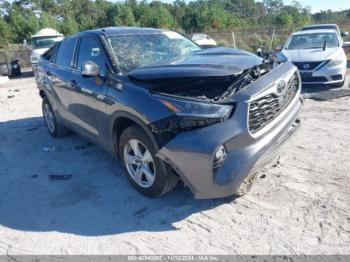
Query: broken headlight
{"points": [[189, 115]]}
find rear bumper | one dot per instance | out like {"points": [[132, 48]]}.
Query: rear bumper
{"points": [[191, 153]]}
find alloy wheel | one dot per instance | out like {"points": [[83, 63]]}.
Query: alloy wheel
{"points": [[139, 163], [49, 118]]}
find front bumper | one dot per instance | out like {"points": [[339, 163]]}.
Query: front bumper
{"points": [[324, 75], [191, 153]]}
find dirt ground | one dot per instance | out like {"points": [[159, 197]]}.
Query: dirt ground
{"points": [[299, 206]]}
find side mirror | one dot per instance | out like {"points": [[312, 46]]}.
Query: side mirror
{"points": [[259, 52], [278, 48], [89, 68], [343, 34]]}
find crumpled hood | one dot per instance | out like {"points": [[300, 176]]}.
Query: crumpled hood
{"points": [[312, 55], [213, 62]]}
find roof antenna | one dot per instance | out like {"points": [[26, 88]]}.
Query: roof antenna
{"points": [[324, 45]]}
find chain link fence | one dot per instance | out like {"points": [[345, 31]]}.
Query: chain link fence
{"points": [[251, 39]]}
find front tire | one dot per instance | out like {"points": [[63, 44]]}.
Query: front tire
{"points": [[146, 173], [54, 128]]}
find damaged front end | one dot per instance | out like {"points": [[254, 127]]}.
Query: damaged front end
{"points": [[207, 137], [214, 150], [205, 88], [189, 115], [198, 102]]}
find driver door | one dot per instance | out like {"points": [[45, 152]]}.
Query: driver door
{"points": [[88, 93]]}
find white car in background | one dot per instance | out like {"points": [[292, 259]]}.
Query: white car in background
{"points": [[203, 40], [319, 56]]}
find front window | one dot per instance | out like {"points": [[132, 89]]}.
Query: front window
{"points": [[138, 50], [309, 41], [45, 42], [89, 50]]}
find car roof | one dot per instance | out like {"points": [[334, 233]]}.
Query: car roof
{"points": [[320, 25], [121, 30], [315, 31]]}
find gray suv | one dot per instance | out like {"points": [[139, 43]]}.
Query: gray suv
{"points": [[170, 110]]}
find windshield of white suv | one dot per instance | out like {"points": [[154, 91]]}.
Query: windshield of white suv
{"points": [[309, 41], [138, 50], [45, 42]]}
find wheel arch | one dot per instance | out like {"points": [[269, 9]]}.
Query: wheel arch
{"points": [[121, 121], [42, 93]]}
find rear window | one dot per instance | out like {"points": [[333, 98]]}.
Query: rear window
{"points": [[65, 52]]}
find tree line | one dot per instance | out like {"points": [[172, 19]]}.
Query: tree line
{"points": [[19, 19]]}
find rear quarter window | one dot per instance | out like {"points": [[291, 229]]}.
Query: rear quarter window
{"points": [[48, 55], [65, 52]]}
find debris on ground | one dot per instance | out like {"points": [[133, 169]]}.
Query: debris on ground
{"points": [[81, 147], [50, 149], [141, 212], [60, 177]]}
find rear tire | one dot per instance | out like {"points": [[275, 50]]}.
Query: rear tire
{"points": [[146, 173], [54, 128]]}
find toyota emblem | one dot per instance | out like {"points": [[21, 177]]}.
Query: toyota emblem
{"points": [[281, 86]]}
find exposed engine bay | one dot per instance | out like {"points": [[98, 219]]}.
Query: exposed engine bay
{"points": [[209, 88]]}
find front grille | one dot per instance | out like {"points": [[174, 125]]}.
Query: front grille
{"points": [[265, 109], [307, 65], [311, 79]]}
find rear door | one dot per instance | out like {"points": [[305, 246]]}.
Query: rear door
{"points": [[59, 74], [88, 93]]}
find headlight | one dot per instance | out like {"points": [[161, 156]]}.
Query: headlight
{"points": [[190, 115], [34, 59], [195, 109], [335, 62]]}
